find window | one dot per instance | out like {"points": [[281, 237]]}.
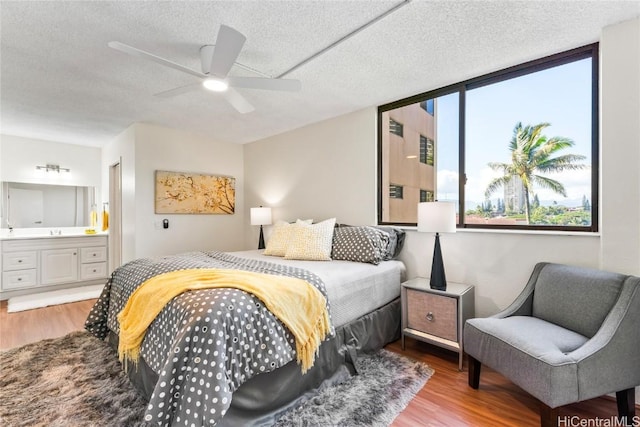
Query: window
{"points": [[395, 191], [426, 150], [471, 139], [428, 106], [426, 196], [395, 127]]}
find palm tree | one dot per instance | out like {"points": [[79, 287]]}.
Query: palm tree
{"points": [[531, 156]]}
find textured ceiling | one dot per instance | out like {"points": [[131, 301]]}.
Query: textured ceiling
{"points": [[60, 81]]}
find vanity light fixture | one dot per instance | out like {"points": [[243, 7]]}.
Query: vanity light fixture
{"points": [[53, 168]]}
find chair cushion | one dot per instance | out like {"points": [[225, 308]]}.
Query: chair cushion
{"points": [[575, 298], [536, 337], [531, 352]]}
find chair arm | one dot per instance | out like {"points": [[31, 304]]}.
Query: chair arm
{"points": [[523, 304], [610, 360]]}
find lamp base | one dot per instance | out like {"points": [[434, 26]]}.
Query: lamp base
{"points": [[438, 280], [261, 240]]}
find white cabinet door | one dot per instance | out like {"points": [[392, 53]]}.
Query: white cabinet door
{"points": [[59, 266]]}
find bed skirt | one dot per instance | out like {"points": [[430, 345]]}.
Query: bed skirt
{"points": [[260, 401]]}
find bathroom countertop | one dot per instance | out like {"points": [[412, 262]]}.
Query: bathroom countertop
{"points": [[19, 234]]}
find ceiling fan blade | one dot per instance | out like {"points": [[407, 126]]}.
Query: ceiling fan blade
{"points": [[130, 50], [179, 90], [238, 101], [290, 85], [228, 46]]}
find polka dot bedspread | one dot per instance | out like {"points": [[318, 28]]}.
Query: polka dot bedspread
{"points": [[204, 344]]}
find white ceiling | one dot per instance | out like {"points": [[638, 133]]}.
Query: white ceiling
{"points": [[61, 82]]}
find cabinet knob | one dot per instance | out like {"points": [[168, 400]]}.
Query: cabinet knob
{"points": [[94, 254], [430, 316], [19, 279], [94, 270]]}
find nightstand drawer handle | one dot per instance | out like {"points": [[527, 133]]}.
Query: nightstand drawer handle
{"points": [[430, 316]]}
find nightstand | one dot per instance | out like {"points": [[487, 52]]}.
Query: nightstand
{"points": [[436, 317]]}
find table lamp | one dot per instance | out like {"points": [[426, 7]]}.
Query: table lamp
{"points": [[437, 217], [261, 216]]}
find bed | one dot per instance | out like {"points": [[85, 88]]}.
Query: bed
{"points": [[193, 373]]}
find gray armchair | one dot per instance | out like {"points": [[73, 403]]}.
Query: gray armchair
{"points": [[572, 334]]}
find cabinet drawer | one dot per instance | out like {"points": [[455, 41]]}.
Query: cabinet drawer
{"points": [[95, 254], [432, 314], [19, 260], [18, 279], [95, 270]]}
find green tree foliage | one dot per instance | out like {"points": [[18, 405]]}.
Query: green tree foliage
{"points": [[532, 156]]}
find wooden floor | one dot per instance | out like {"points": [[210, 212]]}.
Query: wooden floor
{"points": [[446, 400]]}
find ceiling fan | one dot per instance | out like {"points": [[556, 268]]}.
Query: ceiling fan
{"points": [[217, 61]]}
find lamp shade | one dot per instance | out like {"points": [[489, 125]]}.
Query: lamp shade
{"points": [[437, 217], [260, 216]]}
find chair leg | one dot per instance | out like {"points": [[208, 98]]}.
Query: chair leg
{"points": [[626, 400], [548, 416], [474, 372]]}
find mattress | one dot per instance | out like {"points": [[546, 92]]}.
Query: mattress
{"points": [[353, 288]]}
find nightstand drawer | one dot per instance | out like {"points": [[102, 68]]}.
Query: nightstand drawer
{"points": [[432, 314]]}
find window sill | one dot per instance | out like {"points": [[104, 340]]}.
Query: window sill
{"points": [[526, 232]]}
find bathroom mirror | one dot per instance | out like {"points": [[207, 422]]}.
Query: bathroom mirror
{"points": [[45, 205]]}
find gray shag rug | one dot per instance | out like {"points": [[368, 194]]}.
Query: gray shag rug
{"points": [[77, 380]]}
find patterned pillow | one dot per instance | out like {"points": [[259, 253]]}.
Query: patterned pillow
{"points": [[359, 244], [280, 237], [311, 242], [396, 241]]}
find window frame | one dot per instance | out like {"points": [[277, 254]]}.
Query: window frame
{"points": [[583, 52]]}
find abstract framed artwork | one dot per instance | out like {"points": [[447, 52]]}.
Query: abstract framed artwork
{"points": [[194, 193]]}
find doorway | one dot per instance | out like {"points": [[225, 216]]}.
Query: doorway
{"points": [[115, 217]]}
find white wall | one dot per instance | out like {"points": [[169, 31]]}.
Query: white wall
{"points": [[320, 171], [142, 149], [20, 156], [329, 169]]}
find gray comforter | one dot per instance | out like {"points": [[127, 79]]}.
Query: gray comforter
{"points": [[204, 344]]}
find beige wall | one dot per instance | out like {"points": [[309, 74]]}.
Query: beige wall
{"points": [[620, 147], [321, 171], [122, 150]]}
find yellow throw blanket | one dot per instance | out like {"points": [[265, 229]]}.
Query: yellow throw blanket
{"points": [[299, 305]]}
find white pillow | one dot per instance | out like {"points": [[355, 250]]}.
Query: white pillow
{"points": [[311, 242], [280, 237]]}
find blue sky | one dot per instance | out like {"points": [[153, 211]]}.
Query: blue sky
{"points": [[560, 96]]}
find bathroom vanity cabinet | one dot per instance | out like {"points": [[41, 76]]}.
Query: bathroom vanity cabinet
{"points": [[34, 265]]}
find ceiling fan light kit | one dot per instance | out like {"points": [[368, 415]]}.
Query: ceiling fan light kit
{"points": [[216, 61], [215, 85]]}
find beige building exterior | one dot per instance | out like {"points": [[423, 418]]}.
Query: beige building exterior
{"points": [[408, 160]]}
